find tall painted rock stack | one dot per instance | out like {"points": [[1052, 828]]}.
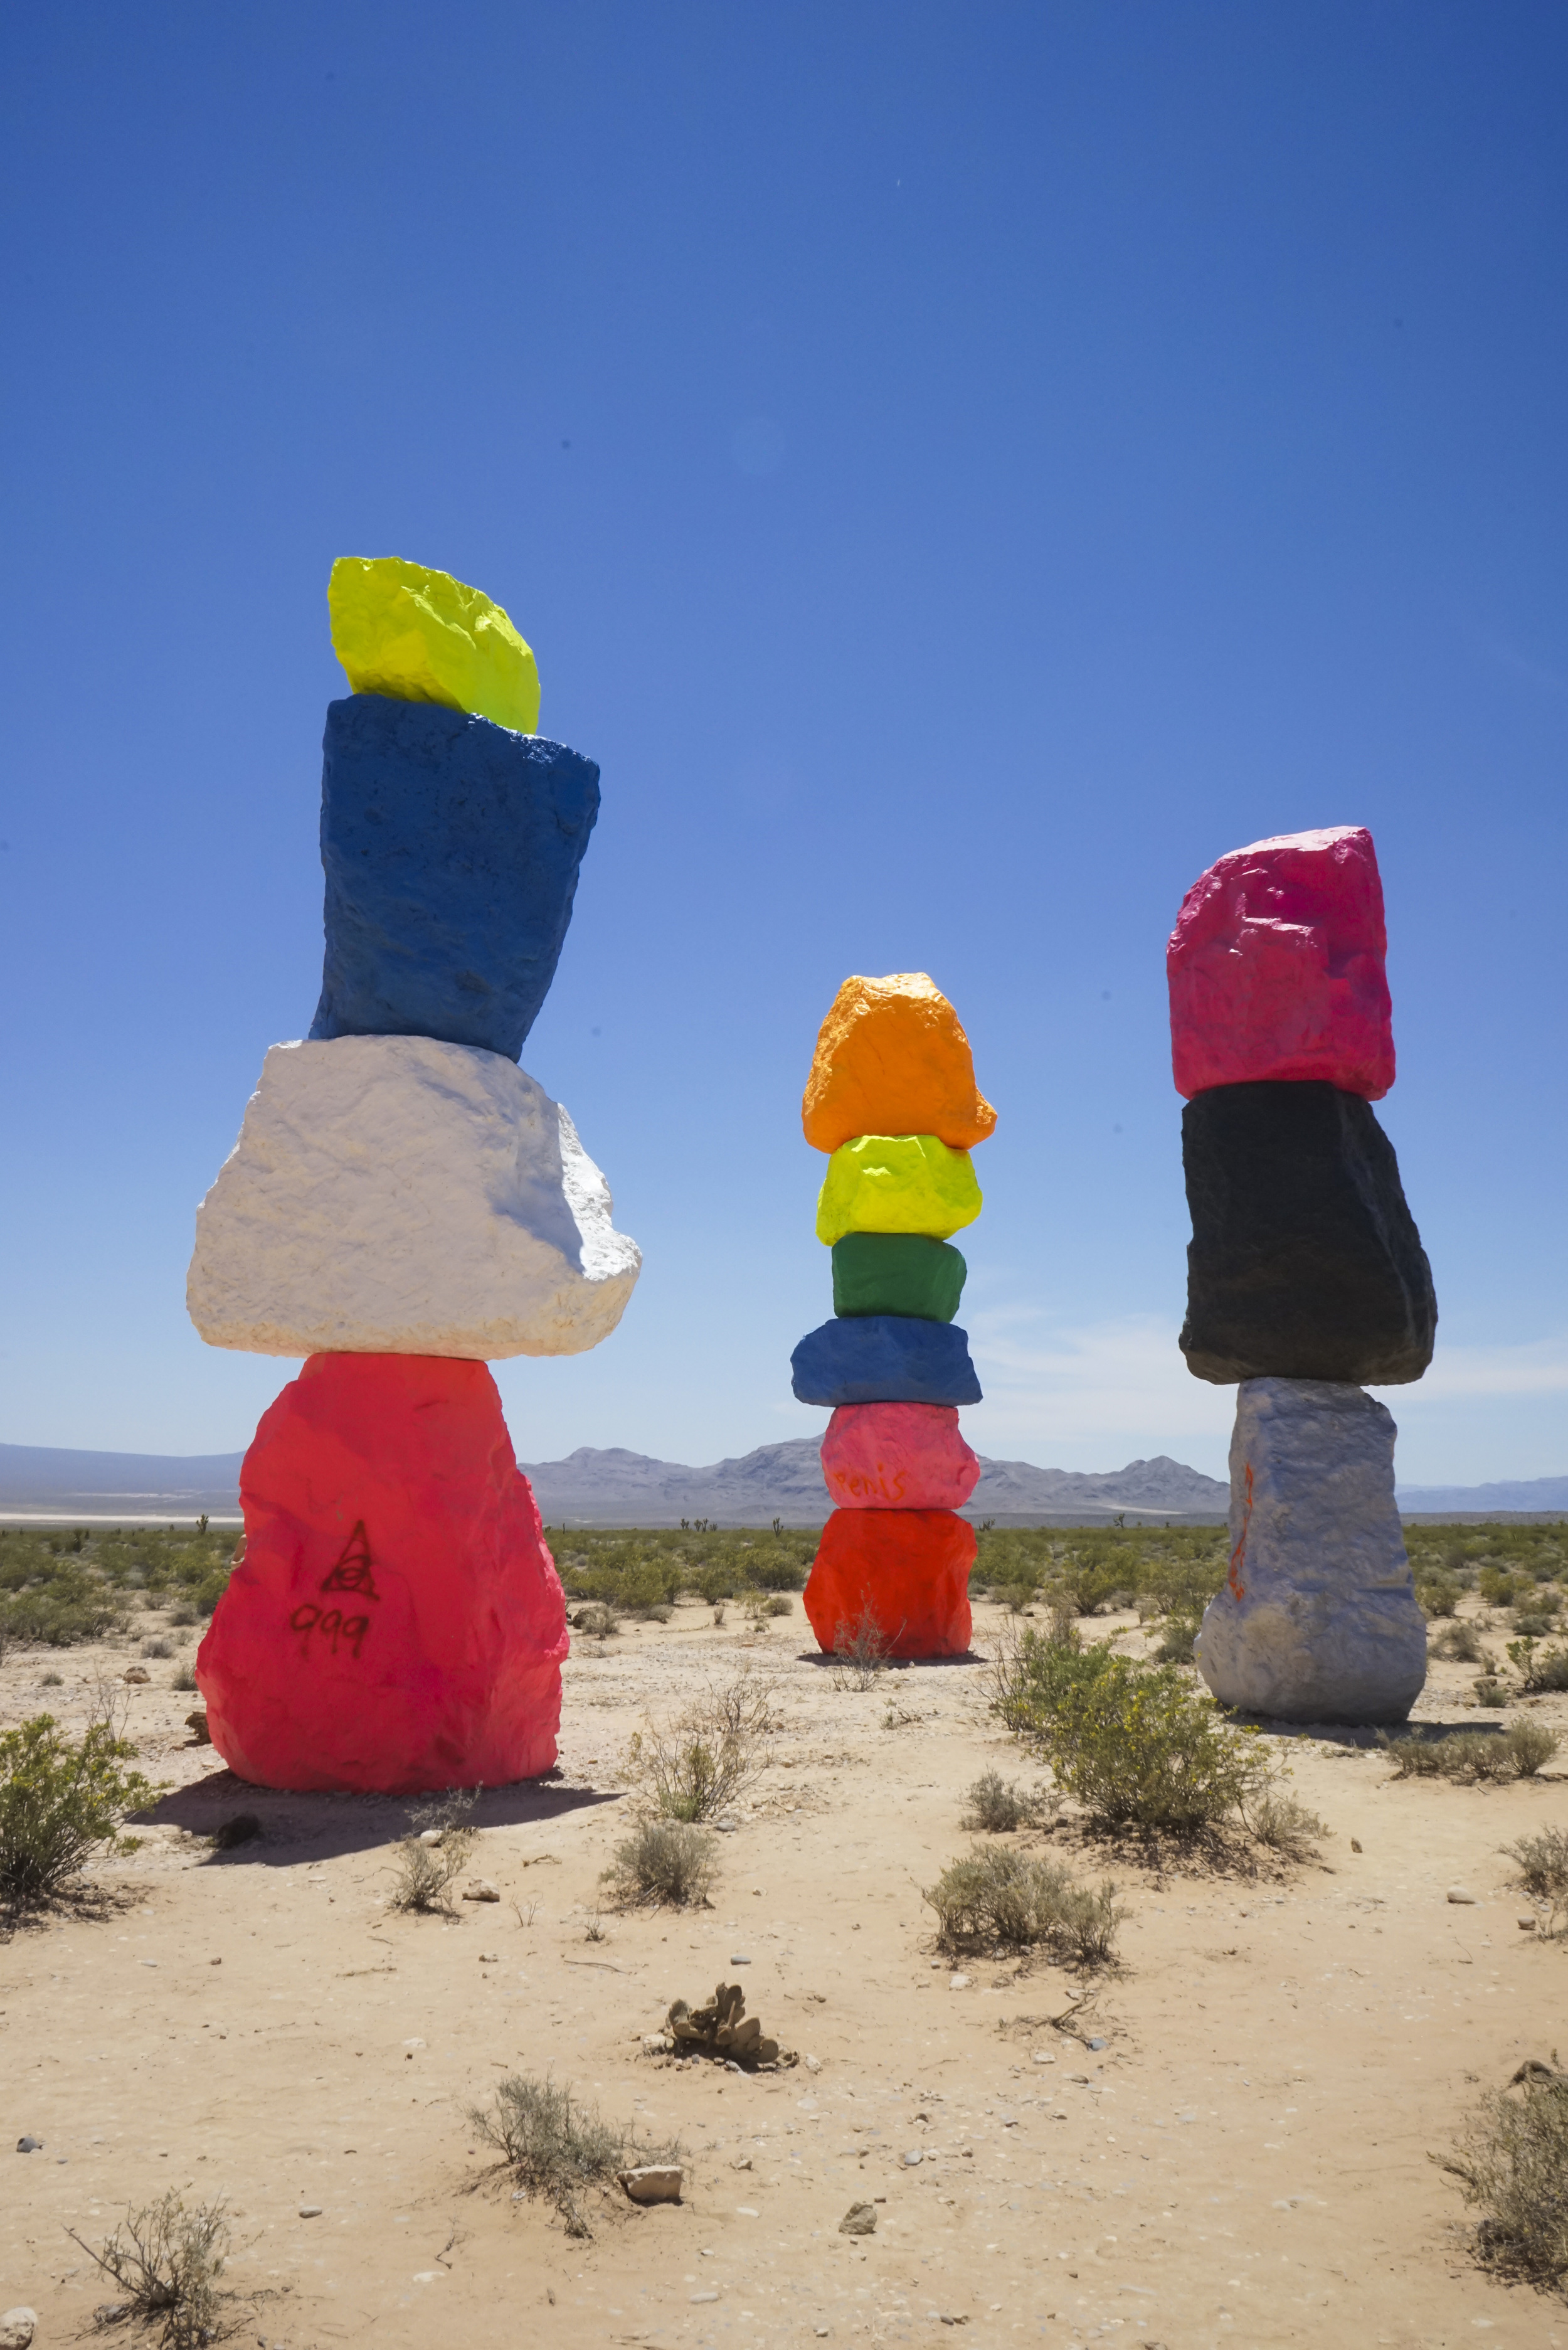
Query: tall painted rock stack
{"points": [[405, 1204], [892, 1099], [1306, 1276]]}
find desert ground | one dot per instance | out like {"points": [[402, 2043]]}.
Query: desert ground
{"points": [[1224, 2139]]}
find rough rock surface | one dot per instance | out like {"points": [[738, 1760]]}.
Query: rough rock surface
{"points": [[392, 1195], [1305, 1261], [896, 1273], [1317, 1620], [905, 1571], [892, 1058], [396, 1622], [1275, 967], [451, 849], [897, 1183], [884, 1358], [897, 1456], [418, 635]]}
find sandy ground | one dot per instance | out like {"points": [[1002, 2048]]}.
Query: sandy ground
{"points": [[1244, 2160]]}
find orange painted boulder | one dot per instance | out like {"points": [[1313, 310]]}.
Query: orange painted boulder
{"points": [[396, 1623], [892, 1058], [906, 1572], [897, 1456]]}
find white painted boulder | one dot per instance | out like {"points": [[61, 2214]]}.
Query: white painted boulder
{"points": [[1317, 1620], [396, 1195]]}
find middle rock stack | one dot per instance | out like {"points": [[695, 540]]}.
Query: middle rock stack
{"points": [[892, 1097]]}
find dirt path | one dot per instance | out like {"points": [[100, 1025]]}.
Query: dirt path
{"points": [[1244, 2160]]}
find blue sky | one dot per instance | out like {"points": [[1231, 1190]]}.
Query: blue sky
{"points": [[960, 469]]}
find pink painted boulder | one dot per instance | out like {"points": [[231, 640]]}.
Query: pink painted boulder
{"points": [[1275, 968], [395, 1623], [897, 1456]]}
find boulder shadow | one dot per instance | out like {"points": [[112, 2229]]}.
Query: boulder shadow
{"points": [[289, 1827]]}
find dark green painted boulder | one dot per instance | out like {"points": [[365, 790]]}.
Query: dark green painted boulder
{"points": [[896, 1273]]}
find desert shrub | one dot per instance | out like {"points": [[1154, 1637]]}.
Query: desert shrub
{"points": [[1014, 1596], [777, 1574], [166, 2261], [1282, 1823], [597, 1619], [1539, 1670], [1474, 1754], [556, 2147], [184, 1679], [763, 1604], [697, 1766], [56, 1602], [661, 1861], [1177, 1634], [999, 1805], [1496, 1586], [716, 1583], [1133, 1742], [1440, 1596], [1542, 1863], [862, 1652], [58, 1801], [434, 1854], [1000, 1897], [1512, 2164], [1461, 1643], [157, 1648]]}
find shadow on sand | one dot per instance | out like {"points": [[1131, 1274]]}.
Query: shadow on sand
{"points": [[296, 1827]]}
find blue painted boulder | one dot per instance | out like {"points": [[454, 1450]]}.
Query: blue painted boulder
{"points": [[450, 847], [884, 1358]]}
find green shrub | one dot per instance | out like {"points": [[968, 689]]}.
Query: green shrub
{"points": [[1000, 1897], [1547, 1669], [663, 1862], [57, 1801], [1441, 1596], [1133, 1742], [1497, 1588], [1470, 1755]]}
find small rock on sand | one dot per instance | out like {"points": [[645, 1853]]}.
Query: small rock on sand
{"points": [[653, 2182], [480, 1888], [1457, 1893], [17, 2327], [136, 1674], [860, 2220]]}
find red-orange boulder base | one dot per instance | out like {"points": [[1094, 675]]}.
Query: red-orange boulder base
{"points": [[908, 1568], [897, 1456], [396, 1623]]}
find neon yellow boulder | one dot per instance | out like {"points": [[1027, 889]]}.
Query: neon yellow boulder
{"points": [[897, 1183], [418, 635]]}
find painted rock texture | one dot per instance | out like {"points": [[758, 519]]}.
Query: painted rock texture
{"points": [[1276, 968], [1305, 1263], [896, 1273], [396, 1622], [897, 1456], [391, 1194], [1317, 1620], [904, 1571], [897, 1183], [451, 849], [892, 1058], [418, 635], [884, 1358]]}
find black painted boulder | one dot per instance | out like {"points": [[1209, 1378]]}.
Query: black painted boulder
{"points": [[1305, 1263]]}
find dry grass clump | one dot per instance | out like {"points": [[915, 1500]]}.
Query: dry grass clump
{"points": [[661, 1861], [555, 2145], [596, 1619], [1285, 1825], [1542, 1863], [1513, 2167], [166, 2261], [862, 1652], [1461, 1643], [434, 1854], [999, 1805], [697, 1766], [1472, 1755], [1003, 1898]]}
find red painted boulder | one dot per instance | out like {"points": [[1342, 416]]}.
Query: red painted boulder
{"points": [[396, 1623], [1275, 968], [905, 1571], [897, 1456]]}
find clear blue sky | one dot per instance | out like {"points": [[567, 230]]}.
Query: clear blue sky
{"points": [[961, 469]]}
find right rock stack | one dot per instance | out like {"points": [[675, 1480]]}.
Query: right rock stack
{"points": [[1306, 1276], [892, 1099]]}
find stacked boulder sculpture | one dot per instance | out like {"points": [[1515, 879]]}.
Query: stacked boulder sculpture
{"points": [[892, 1100], [403, 1206], [1306, 1276]]}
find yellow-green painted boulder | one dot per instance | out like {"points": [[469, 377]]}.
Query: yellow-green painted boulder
{"points": [[897, 1183], [418, 635]]}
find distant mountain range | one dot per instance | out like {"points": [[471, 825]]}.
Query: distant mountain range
{"points": [[612, 1487]]}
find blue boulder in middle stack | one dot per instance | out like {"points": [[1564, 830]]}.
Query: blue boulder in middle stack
{"points": [[884, 1358], [450, 847]]}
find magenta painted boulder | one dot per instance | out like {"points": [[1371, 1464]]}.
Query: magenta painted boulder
{"points": [[897, 1456], [1275, 968]]}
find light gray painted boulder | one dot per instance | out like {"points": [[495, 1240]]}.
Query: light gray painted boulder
{"points": [[399, 1195], [1318, 1619]]}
